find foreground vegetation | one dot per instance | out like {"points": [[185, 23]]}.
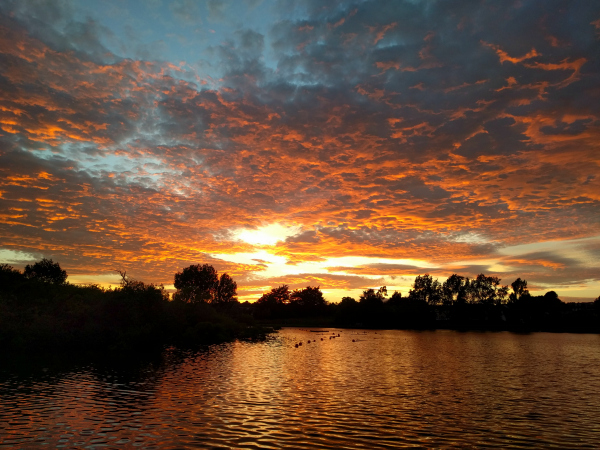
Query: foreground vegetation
{"points": [[40, 310]]}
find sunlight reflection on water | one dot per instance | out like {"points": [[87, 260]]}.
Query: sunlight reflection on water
{"points": [[388, 389]]}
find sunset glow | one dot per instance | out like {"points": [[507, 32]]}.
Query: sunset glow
{"points": [[346, 145]]}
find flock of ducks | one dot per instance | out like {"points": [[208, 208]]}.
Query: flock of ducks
{"points": [[333, 336]]}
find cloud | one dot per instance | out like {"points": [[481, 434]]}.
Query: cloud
{"points": [[186, 11], [54, 24], [216, 10], [382, 129]]}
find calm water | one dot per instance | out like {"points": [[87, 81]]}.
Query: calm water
{"points": [[388, 389]]}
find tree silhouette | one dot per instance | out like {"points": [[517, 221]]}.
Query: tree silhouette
{"points": [[519, 288], [47, 271], [276, 296], [453, 289], [551, 299], [274, 304], [131, 285], [197, 284], [395, 299], [350, 301], [307, 302], [309, 297], [372, 297], [348, 312], [426, 289], [227, 289], [485, 290]]}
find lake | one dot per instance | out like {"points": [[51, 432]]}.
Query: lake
{"points": [[365, 389]]}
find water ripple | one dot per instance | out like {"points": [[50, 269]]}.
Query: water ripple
{"points": [[387, 389]]}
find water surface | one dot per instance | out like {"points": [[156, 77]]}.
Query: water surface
{"points": [[387, 389]]}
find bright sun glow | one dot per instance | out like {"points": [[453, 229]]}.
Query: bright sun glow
{"points": [[266, 235], [275, 266]]}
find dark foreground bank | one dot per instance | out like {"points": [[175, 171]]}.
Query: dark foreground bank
{"points": [[40, 315]]}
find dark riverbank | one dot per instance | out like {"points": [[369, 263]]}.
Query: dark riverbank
{"points": [[36, 315], [530, 315], [458, 303], [40, 311]]}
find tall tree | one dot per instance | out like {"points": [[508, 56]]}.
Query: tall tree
{"points": [[519, 289], [452, 289], [426, 289], [227, 289], [197, 284]]}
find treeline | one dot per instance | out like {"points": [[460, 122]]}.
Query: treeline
{"points": [[40, 310], [457, 303]]}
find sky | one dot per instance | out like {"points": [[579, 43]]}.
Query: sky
{"points": [[341, 144]]}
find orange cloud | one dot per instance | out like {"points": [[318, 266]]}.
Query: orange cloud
{"points": [[138, 165], [574, 66], [380, 32], [506, 57]]}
